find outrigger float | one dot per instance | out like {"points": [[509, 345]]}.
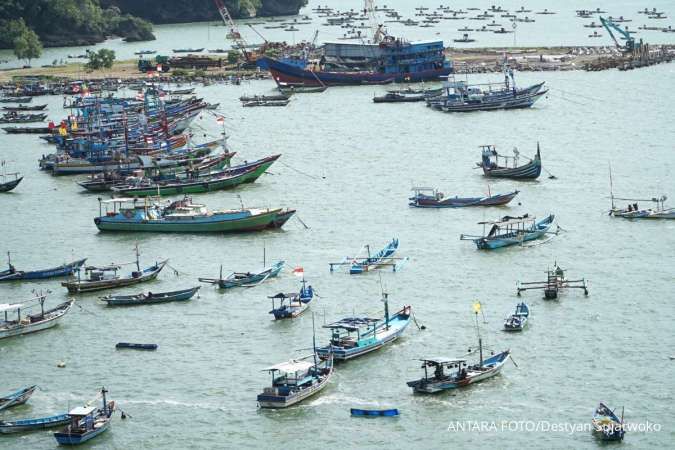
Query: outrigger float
{"points": [[383, 258], [555, 282]]}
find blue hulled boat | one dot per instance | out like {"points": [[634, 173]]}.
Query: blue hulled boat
{"points": [[292, 305], [245, 279], [86, 422], [517, 320], [356, 336], [492, 167], [606, 425], [511, 231], [361, 264], [16, 398], [64, 270], [40, 423]]}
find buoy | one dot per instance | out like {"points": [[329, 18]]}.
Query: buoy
{"points": [[61, 364]]}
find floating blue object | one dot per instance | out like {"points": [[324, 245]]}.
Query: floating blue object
{"points": [[374, 412]]}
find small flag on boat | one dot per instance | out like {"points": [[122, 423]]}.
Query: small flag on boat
{"points": [[299, 272], [476, 307], [148, 140], [220, 120]]}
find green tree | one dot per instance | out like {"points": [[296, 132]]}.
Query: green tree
{"points": [[232, 57], [103, 59], [27, 45]]}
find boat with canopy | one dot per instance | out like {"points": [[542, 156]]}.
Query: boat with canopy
{"points": [[510, 230], [508, 166], [30, 323]]}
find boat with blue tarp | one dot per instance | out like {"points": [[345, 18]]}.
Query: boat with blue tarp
{"points": [[293, 304], [606, 425], [517, 320]]}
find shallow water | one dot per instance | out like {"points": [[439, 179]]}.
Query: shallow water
{"points": [[347, 167]]}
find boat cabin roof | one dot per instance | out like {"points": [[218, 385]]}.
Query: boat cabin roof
{"points": [[351, 323], [82, 411], [103, 268], [508, 221], [10, 307], [291, 366], [120, 200], [442, 361]]}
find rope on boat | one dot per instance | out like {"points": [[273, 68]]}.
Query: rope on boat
{"points": [[303, 223], [300, 171], [176, 271]]}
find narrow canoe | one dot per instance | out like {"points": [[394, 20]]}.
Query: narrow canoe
{"points": [[17, 398], [60, 271], [357, 412], [132, 346], [40, 423], [150, 298]]}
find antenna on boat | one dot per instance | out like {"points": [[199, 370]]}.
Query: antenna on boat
{"points": [[314, 341], [611, 186], [138, 265], [264, 253]]}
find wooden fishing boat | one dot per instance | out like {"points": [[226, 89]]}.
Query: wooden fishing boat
{"points": [[27, 130], [22, 118], [461, 374], [352, 337], [25, 107], [188, 50], [492, 167], [226, 179], [633, 211], [265, 103], [517, 320], [63, 270], [606, 425], [288, 89], [511, 231], [245, 279], [358, 412], [17, 398], [16, 99], [382, 258], [31, 323], [183, 216], [425, 197], [555, 282], [264, 98], [150, 298], [131, 346], [186, 91], [7, 185], [391, 97], [492, 104], [39, 423], [86, 422], [291, 305]]}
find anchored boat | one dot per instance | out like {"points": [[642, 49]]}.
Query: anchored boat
{"points": [[40, 423], [355, 336], [245, 279], [12, 274], [555, 282], [425, 197], [383, 258], [291, 305], [492, 167], [150, 298], [86, 422], [606, 425], [30, 323], [511, 231], [183, 216], [517, 320], [17, 398]]}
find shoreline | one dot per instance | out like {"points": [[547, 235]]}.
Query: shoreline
{"points": [[465, 60]]}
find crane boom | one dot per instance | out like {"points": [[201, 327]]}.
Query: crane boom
{"points": [[234, 33], [609, 25]]}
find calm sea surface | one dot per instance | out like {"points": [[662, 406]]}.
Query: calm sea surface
{"points": [[347, 167]]}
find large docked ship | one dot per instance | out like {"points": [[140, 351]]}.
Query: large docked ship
{"points": [[383, 59]]}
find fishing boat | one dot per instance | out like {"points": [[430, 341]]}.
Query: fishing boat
{"points": [[633, 210], [299, 88], [25, 107], [254, 98], [492, 168], [183, 216], [265, 103], [188, 50], [352, 337], [17, 398], [13, 117], [517, 320], [86, 422], [359, 412], [465, 38], [293, 304], [511, 231], [556, 281], [393, 97], [131, 346], [425, 197], [30, 323], [461, 374], [245, 279], [606, 425], [296, 380], [63, 270], [383, 258], [150, 298], [198, 183], [107, 277], [16, 99], [7, 184], [27, 130], [40, 423]]}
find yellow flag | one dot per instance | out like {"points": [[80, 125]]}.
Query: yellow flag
{"points": [[476, 307]]}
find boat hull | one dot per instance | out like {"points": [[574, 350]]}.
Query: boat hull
{"points": [[61, 271], [76, 439], [430, 202], [6, 187], [541, 229], [18, 329], [75, 287], [25, 425], [284, 73]]}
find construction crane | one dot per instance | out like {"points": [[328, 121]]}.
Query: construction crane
{"points": [[630, 40], [234, 33]]}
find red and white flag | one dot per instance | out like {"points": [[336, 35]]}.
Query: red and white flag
{"points": [[148, 140], [299, 272]]}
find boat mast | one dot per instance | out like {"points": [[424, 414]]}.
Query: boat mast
{"points": [[314, 342], [611, 186], [138, 265], [385, 299], [476, 310], [105, 404], [369, 8]]}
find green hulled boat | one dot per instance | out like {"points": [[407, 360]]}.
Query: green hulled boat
{"points": [[182, 216], [226, 179]]}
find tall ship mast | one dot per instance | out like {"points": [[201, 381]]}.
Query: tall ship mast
{"points": [[380, 60]]}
